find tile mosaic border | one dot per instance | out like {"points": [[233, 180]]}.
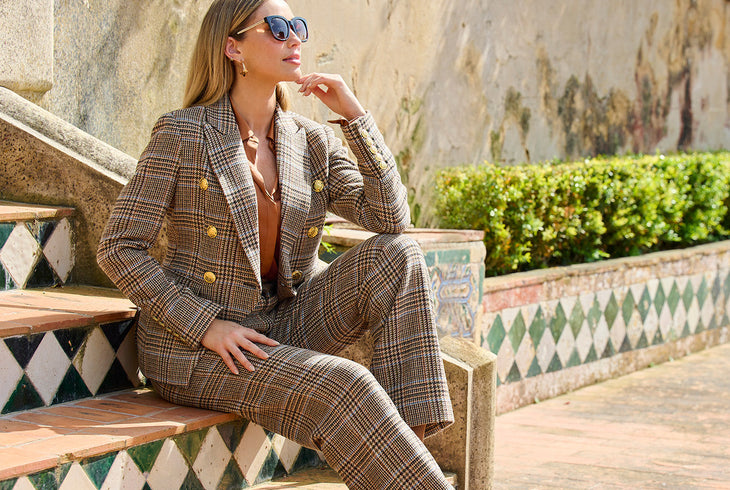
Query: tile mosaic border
{"points": [[548, 336]]}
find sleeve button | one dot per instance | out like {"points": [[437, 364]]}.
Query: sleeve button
{"points": [[313, 232]]}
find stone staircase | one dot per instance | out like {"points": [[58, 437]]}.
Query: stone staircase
{"points": [[75, 412]]}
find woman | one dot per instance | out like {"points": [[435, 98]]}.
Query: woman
{"points": [[239, 317]]}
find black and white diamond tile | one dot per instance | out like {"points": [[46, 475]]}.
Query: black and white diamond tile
{"points": [[59, 366], [35, 254], [208, 459]]}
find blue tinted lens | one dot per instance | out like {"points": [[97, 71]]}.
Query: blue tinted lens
{"points": [[279, 28], [300, 28]]}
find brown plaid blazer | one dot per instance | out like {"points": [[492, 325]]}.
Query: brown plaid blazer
{"points": [[194, 173]]}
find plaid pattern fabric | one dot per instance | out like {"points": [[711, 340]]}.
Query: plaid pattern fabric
{"points": [[194, 173]]}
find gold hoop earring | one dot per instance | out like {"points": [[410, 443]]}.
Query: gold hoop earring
{"points": [[243, 70]]}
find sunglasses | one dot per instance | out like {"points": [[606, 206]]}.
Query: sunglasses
{"points": [[281, 27]]}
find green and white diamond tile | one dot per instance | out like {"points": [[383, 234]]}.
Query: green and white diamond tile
{"points": [[551, 335], [69, 364], [35, 253], [233, 455]]}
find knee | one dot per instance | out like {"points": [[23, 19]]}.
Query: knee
{"points": [[354, 387], [396, 249]]}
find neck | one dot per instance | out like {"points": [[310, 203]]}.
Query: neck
{"points": [[254, 103]]}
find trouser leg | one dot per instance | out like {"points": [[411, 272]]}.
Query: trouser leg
{"points": [[321, 401], [382, 285]]}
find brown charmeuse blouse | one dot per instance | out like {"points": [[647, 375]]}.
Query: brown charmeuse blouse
{"points": [[268, 197]]}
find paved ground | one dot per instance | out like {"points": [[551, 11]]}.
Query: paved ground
{"points": [[663, 427]]}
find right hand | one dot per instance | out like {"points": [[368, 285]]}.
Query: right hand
{"points": [[227, 338]]}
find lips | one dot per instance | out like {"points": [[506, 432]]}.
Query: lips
{"points": [[295, 58]]}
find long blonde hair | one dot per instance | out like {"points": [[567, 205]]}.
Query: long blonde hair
{"points": [[211, 73]]}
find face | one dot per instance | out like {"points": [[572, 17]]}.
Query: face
{"points": [[266, 58]]}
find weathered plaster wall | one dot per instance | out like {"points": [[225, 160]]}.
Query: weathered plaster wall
{"points": [[449, 82]]}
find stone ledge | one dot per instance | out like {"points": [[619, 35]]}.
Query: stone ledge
{"points": [[14, 211]]}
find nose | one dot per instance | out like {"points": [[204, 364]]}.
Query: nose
{"points": [[293, 38]]}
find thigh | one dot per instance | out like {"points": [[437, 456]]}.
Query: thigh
{"points": [[329, 311], [289, 393]]}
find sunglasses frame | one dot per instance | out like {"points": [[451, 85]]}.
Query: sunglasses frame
{"points": [[289, 26]]}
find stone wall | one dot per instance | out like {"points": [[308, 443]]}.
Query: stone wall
{"points": [[449, 82]]}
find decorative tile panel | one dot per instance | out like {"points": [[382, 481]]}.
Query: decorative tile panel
{"points": [[58, 366], [577, 330], [35, 253]]}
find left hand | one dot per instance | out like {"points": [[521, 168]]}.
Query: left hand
{"points": [[333, 92]]}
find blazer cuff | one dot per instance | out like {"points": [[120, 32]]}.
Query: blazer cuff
{"points": [[368, 145], [189, 317]]}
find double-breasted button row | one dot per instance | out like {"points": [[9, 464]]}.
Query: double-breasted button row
{"points": [[212, 231], [204, 184]]}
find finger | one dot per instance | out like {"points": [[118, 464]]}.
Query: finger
{"points": [[263, 339], [238, 354], [309, 84], [228, 361], [319, 93], [254, 349]]}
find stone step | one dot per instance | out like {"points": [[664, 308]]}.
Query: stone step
{"points": [[36, 248], [135, 440], [64, 344], [321, 478]]}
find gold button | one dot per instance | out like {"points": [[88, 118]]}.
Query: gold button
{"points": [[383, 165], [313, 232], [318, 186], [209, 277], [296, 276], [204, 184], [212, 232]]}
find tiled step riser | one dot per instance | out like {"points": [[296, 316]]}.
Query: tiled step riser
{"points": [[36, 253], [161, 447], [170, 470], [58, 366]]}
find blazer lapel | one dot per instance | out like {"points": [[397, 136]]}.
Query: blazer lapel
{"points": [[229, 163], [292, 160]]}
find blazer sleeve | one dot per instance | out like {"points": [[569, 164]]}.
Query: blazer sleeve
{"points": [[370, 192], [132, 229]]}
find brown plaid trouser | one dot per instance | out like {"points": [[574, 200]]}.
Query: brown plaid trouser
{"points": [[359, 419]]}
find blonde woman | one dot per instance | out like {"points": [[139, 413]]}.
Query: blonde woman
{"points": [[240, 317]]}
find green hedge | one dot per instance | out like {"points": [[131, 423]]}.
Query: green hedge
{"points": [[537, 216]]}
